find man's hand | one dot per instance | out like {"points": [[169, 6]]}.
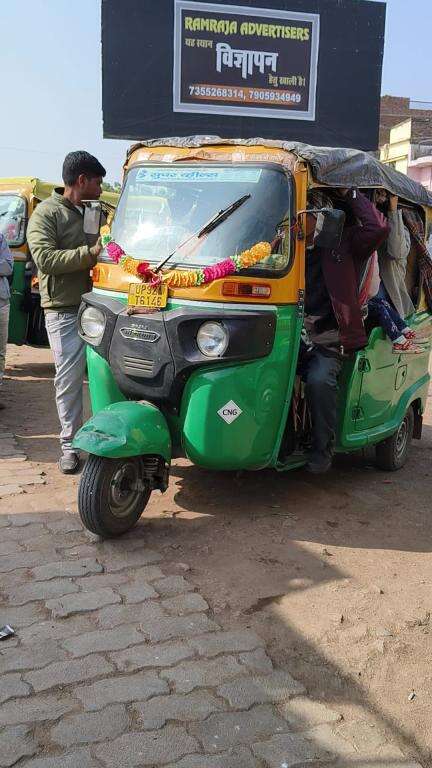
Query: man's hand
{"points": [[96, 248], [393, 202]]}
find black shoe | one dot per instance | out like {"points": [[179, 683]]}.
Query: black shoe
{"points": [[318, 462], [69, 463]]}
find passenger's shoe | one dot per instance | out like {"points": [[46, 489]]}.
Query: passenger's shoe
{"points": [[69, 463], [318, 463]]}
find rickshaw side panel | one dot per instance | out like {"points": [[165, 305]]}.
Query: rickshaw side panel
{"points": [[233, 416], [384, 386]]}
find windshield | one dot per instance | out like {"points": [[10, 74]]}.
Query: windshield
{"points": [[13, 219], [162, 208]]}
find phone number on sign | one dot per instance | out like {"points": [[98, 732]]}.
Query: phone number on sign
{"points": [[250, 95]]}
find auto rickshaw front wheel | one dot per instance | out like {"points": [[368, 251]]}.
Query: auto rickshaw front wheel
{"points": [[391, 454], [112, 494]]}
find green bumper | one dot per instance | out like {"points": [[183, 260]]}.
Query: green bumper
{"points": [[126, 429]]}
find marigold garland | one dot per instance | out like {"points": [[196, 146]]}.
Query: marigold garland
{"points": [[183, 278]]}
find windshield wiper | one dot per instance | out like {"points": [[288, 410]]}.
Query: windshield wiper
{"points": [[214, 222]]}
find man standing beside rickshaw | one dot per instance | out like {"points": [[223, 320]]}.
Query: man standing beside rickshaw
{"points": [[64, 253]]}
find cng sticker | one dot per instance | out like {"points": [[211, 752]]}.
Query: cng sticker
{"points": [[230, 412]]}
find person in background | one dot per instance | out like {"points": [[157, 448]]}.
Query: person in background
{"points": [[393, 255], [333, 316], [6, 271], [64, 253], [391, 303]]}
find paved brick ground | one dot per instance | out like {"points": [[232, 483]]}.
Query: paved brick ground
{"points": [[117, 663]]}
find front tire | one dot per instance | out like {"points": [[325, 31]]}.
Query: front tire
{"points": [[112, 494], [391, 454]]}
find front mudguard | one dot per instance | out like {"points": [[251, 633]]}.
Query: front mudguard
{"points": [[126, 429]]}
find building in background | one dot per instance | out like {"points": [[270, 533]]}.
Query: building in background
{"points": [[406, 137]]}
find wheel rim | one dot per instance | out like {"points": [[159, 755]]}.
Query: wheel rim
{"points": [[401, 439], [124, 489]]}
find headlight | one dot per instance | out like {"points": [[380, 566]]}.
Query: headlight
{"points": [[212, 339], [92, 323]]}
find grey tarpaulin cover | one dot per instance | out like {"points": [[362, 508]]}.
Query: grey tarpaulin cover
{"points": [[334, 167]]}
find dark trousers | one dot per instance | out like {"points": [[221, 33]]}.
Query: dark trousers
{"points": [[382, 312], [321, 373]]}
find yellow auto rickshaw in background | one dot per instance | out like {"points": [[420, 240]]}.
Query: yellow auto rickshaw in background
{"points": [[19, 196]]}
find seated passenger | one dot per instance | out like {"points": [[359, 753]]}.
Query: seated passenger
{"points": [[333, 316]]}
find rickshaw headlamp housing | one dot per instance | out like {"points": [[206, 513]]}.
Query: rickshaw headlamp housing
{"points": [[212, 339], [92, 324]]}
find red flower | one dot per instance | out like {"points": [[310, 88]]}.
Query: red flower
{"points": [[143, 269]]}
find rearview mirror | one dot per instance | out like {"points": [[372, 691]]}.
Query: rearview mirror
{"points": [[329, 228]]}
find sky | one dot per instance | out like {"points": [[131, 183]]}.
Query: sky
{"points": [[50, 97]]}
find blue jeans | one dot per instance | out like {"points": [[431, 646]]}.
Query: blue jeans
{"points": [[321, 374], [70, 362], [382, 312]]}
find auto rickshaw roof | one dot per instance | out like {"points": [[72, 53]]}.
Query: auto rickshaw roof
{"points": [[330, 166], [27, 185]]}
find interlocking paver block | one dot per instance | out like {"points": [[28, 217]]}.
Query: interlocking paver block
{"points": [[180, 605], [103, 640], [22, 616], [192, 706], [137, 592], [226, 642], [12, 659], [59, 541], [141, 656], [67, 672], [239, 757], [91, 726], [290, 750], [275, 687], [41, 590], [146, 573], [202, 673], [66, 568], [135, 559], [10, 547], [172, 585], [20, 560], [56, 630], [35, 709], [82, 601], [145, 614], [11, 687], [65, 524], [229, 729], [257, 661], [101, 580], [184, 626], [150, 748], [302, 713], [22, 534], [118, 690], [16, 743], [81, 758]]}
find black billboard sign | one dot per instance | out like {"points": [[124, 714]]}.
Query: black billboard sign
{"points": [[303, 70], [232, 60]]}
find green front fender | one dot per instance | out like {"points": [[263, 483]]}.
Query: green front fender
{"points": [[126, 429]]}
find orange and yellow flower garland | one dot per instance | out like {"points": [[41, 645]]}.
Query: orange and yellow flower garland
{"points": [[184, 278]]}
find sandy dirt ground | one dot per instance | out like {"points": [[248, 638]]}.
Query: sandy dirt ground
{"points": [[334, 573]]}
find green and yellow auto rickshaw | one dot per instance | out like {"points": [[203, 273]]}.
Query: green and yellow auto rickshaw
{"points": [[19, 196], [204, 363]]}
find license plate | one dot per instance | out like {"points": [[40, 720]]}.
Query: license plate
{"points": [[145, 295]]}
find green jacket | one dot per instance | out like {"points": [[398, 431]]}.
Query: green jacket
{"points": [[61, 252]]}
